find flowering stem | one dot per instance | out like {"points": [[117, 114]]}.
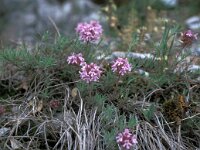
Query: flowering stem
{"points": [[117, 83]]}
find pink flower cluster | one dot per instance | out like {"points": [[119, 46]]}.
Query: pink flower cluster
{"points": [[188, 37], [126, 139], [121, 66], [89, 32], [76, 59], [90, 72]]}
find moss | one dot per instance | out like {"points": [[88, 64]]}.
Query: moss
{"points": [[175, 108]]}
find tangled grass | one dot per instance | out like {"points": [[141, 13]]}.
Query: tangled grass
{"points": [[72, 129]]}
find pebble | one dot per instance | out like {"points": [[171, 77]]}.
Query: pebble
{"points": [[117, 54], [170, 3], [193, 68], [193, 23], [4, 131]]}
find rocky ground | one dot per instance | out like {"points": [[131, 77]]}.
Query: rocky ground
{"points": [[23, 21]]}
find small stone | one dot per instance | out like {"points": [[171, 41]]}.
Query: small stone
{"points": [[132, 55], [140, 55], [170, 3], [193, 23], [193, 68], [142, 72], [117, 54], [4, 131]]}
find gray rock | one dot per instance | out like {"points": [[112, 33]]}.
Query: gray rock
{"points": [[193, 68], [188, 68], [195, 49], [4, 131], [170, 3], [142, 72], [25, 19], [132, 55], [29, 19], [55, 11], [193, 23], [140, 55]]}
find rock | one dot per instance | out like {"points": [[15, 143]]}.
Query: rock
{"points": [[30, 19], [100, 56], [4, 131], [195, 50], [117, 54], [198, 79], [55, 11], [193, 23], [24, 20], [140, 55], [142, 72], [184, 67], [193, 68], [170, 3]]}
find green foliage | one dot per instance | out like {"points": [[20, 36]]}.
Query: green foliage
{"points": [[61, 44], [132, 122], [99, 100], [109, 138], [193, 124], [109, 114], [24, 60], [165, 50], [113, 123], [149, 113], [117, 99], [108, 81], [190, 8], [134, 42]]}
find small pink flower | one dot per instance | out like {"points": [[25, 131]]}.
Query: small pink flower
{"points": [[76, 59], [90, 72], [89, 32], [126, 139], [54, 104], [188, 37], [121, 66]]}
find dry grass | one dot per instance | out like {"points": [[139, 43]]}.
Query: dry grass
{"points": [[72, 129]]}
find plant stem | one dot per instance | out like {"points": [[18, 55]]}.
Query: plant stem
{"points": [[90, 90], [117, 84]]}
